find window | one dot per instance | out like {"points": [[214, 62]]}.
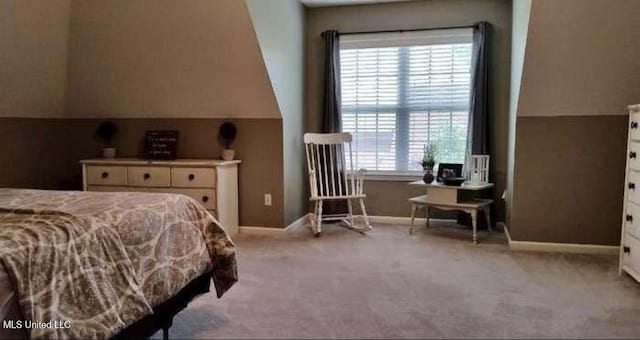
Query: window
{"points": [[402, 90]]}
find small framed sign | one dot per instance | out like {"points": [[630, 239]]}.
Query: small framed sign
{"points": [[161, 144]]}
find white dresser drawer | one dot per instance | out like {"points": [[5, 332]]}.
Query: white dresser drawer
{"points": [[206, 197], [632, 219], [634, 155], [631, 253], [142, 176], [193, 177], [634, 126], [106, 175], [633, 186]]}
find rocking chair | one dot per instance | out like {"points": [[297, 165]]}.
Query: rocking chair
{"points": [[332, 178]]}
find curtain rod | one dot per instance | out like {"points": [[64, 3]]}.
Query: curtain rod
{"points": [[408, 30]]}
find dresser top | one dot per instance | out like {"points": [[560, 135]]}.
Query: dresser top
{"points": [[173, 162]]}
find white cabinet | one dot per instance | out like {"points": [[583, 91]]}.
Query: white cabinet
{"points": [[630, 244], [213, 183]]}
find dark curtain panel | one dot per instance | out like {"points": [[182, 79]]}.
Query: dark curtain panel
{"points": [[479, 105], [331, 117], [331, 120], [478, 137]]}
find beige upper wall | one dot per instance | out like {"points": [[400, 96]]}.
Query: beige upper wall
{"points": [[581, 58], [33, 45], [280, 26], [175, 59]]}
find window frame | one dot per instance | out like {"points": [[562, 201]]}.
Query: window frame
{"points": [[400, 39]]}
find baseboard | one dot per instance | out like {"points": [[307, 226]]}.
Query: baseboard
{"points": [[247, 230], [403, 220], [573, 248], [301, 222], [504, 229]]}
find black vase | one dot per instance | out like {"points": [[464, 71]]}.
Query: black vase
{"points": [[428, 176]]}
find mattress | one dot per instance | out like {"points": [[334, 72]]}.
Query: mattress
{"points": [[102, 260]]}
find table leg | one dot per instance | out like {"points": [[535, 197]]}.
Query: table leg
{"points": [[487, 215], [474, 222], [413, 217], [427, 214]]}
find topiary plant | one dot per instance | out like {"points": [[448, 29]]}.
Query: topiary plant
{"points": [[228, 133], [105, 133]]}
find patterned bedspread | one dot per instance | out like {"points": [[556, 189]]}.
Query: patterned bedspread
{"points": [[103, 260]]}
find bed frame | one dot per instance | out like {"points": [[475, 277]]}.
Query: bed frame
{"points": [[162, 317]]}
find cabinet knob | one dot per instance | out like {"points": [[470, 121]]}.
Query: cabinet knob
{"points": [[632, 154], [146, 176], [192, 177], [629, 218], [626, 250], [632, 185], [205, 199], [634, 125], [105, 174]]}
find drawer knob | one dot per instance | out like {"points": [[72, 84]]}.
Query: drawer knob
{"points": [[632, 154], [632, 185], [192, 177], [146, 176], [629, 218], [626, 250], [205, 199], [634, 125], [105, 174]]}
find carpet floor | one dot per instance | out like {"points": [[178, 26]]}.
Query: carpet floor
{"points": [[433, 284]]}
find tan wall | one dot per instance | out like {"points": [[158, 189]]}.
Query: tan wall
{"points": [[166, 58], [166, 63], [33, 41], [580, 72], [282, 45], [569, 179], [258, 145], [33, 153], [419, 14], [581, 58], [178, 59]]}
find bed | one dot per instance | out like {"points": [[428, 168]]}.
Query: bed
{"points": [[102, 265]]}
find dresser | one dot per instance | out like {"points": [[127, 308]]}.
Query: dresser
{"points": [[630, 244], [213, 183]]}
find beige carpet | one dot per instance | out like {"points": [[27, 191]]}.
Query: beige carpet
{"points": [[434, 284]]}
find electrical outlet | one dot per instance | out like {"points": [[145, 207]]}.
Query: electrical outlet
{"points": [[267, 200]]}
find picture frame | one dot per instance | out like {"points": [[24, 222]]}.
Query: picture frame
{"points": [[455, 167], [161, 144]]}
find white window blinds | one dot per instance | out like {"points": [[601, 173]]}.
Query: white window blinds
{"points": [[402, 90]]}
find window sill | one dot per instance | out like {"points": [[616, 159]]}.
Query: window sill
{"points": [[393, 176]]}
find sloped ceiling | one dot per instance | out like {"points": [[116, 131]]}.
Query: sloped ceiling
{"points": [[581, 58], [177, 59]]}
